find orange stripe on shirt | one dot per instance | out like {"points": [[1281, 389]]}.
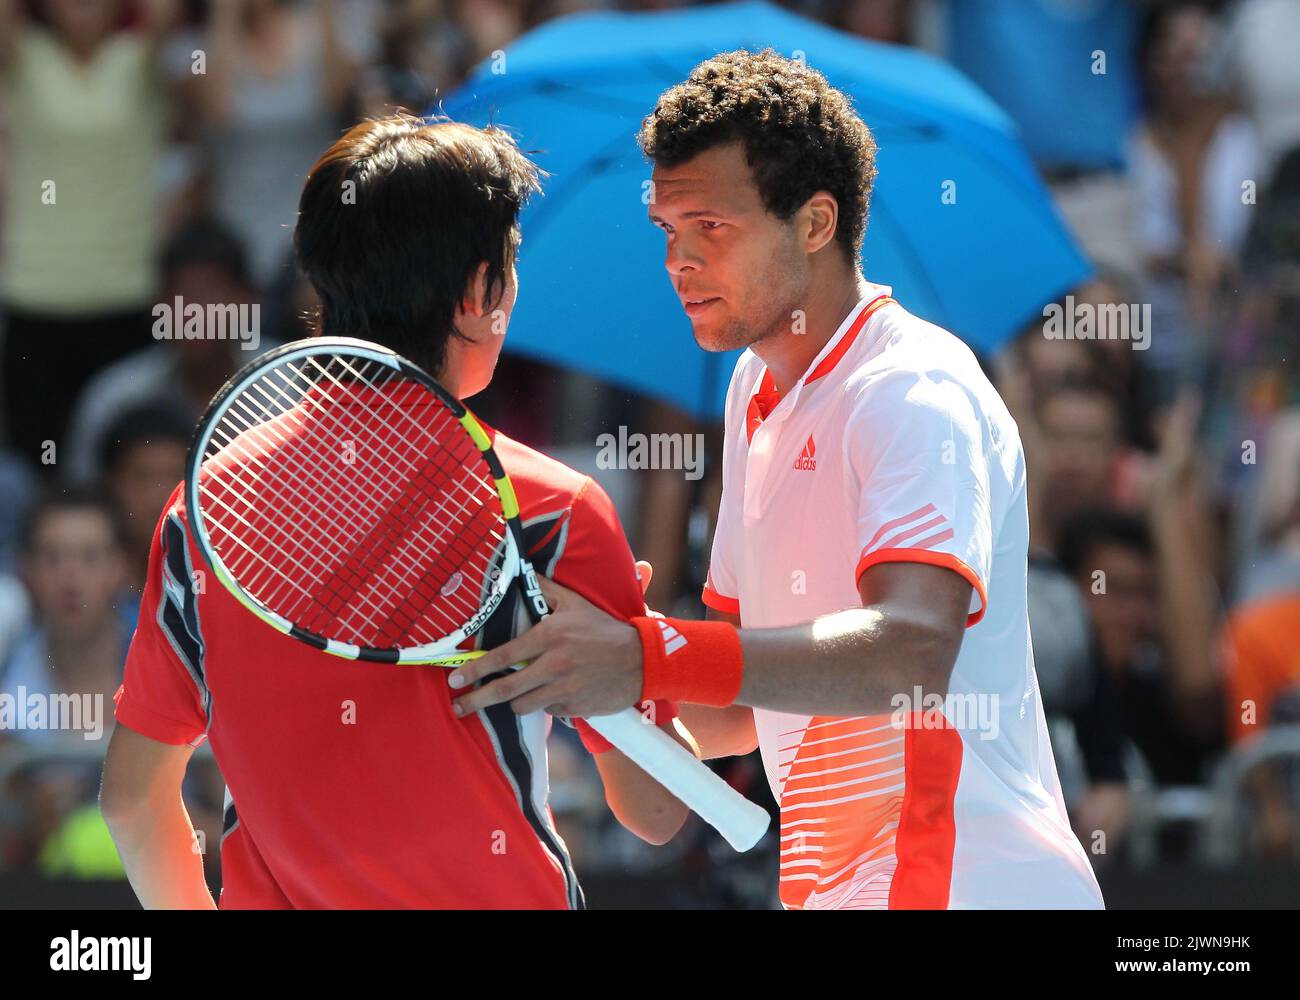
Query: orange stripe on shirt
{"points": [[927, 830]]}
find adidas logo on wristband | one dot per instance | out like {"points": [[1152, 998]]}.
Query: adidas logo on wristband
{"points": [[672, 639]]}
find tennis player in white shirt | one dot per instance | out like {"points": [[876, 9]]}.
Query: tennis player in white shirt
{"points": [[867, 627]]}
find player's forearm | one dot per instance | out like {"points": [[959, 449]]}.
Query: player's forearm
{"points": [[720, 732], [853, 662], [158, 849], [638, 801]]}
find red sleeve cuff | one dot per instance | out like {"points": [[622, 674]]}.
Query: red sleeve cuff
{"points": [[157, 727], [941, 559], [727, 605]]}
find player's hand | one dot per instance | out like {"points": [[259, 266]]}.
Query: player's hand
{"points": [[644, 574], [582, 662]]}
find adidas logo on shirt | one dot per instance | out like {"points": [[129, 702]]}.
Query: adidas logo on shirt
{"points": [[673, 640], [807, 460]]}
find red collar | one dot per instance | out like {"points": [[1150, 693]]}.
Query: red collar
{"points": [[767, 395]]}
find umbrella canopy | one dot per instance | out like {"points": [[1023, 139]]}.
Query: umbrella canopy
{"points": [[960, 225]]}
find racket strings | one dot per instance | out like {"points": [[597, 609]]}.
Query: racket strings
{"points": [[401, 408], [343, 512], [389, 501], [352, 503], [453, 470], [251, 428]]}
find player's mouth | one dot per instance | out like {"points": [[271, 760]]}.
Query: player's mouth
{"points": [[694, 307]]}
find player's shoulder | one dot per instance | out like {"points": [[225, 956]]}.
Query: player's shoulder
{"points": [[571, 528], [908, 361], [540, 481]]}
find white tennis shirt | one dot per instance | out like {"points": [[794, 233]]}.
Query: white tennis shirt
{"points": [[894, 447]]}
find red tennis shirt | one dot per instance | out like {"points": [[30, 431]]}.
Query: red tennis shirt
{"points": [[352, 785]]}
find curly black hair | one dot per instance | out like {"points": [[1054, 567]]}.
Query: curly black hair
{"points": [[800, 134]]}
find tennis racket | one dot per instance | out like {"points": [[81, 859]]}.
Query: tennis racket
{"points": [[349, 501]]}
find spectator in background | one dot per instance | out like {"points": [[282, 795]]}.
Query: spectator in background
{"points": [[74, 571], [74, 568], [880, 20], [1189, 159], [423, 55], [491, 25], [1118, 362], [1262, 677], [1261, 657], [1081, 460], [203, 264], [143, 458], [1168, 698], [1256, 58], [1272, 560], [278, 87], [87, 113], [1065, 74]]}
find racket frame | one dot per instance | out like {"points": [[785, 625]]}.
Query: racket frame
{"points": [[510, 565]]}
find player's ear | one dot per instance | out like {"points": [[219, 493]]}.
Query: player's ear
{"points": [[475, 302], [818, 219]]}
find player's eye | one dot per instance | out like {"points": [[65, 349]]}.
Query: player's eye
{"points": [[709, 224]]}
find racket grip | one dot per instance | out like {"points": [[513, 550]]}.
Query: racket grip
{"points": [[741, 822]]}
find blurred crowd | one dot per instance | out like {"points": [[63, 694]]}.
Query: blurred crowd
{"points": [[1163, 447]]}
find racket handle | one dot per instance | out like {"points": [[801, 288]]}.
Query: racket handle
{"points": [[741, 822]]}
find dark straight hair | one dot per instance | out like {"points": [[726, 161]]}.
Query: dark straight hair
{"points": [[395, 220]]}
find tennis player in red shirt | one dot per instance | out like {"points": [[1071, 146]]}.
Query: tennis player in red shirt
{"points": [[349, 786]]}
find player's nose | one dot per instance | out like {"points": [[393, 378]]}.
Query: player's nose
{"points": [[678, 260]]}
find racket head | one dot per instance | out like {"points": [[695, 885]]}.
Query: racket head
{"points": [[348, 500]]}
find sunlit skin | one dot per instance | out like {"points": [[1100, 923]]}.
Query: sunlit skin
{"points": [[482, 321], [745, 277]]}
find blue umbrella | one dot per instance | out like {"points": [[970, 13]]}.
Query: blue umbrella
{"points": [[593, 291]]}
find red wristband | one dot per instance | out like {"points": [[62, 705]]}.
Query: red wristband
{"points": [[657, 713], [694, 661]]}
